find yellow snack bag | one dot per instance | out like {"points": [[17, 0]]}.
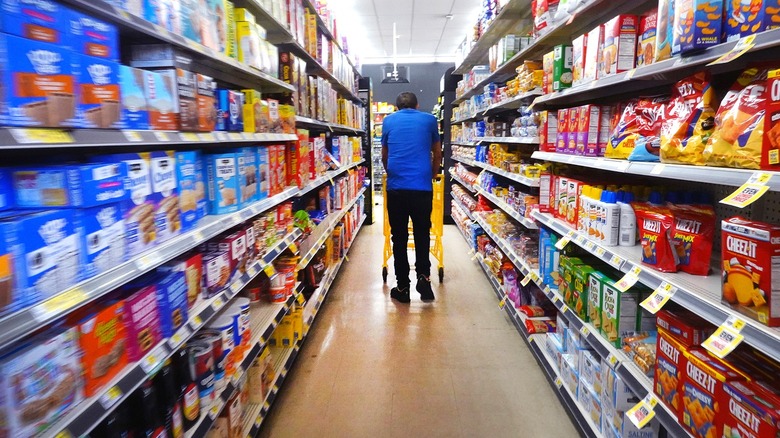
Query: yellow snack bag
{"points": [[689, 121]]}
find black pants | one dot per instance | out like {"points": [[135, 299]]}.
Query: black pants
{"points": [[401, 205]]}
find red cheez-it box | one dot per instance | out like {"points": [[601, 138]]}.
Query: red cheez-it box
{"points": [[669, 371], [684, 325], [748, 249], [753, 410]]}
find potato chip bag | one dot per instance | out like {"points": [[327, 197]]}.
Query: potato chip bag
{"points": [[692, 235], [655, 224], [689, 121], [637, 135]]}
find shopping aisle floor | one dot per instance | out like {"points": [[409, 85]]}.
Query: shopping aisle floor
{"points": [[456, 367]]}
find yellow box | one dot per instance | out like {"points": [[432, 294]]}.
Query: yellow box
{"points": [[297, 319], [231, 49], [252, 103], [242, 14], [311, 33], [287, 118], [248, 44], [284, 335]]}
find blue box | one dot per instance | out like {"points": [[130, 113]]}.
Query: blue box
{"points": [[192, 202], [90, 36], [102, 233], [40, 20], [24, 64], [98, 93], [171, 301], [200, 186], [135, 110], [83, 185], [6, 190], [46, 254], [164, 13], [687, 33], [222, 180], [230, 110], [263, 181], [249, 180], [191, 15]]}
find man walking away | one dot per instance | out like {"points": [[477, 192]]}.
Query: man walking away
{"points": [[408, 139]]}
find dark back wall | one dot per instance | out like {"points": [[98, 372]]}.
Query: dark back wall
{"points": [[424, 82]]}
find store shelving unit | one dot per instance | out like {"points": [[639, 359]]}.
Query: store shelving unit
{"points": [[511, 140], [463, 208], [506, 208], [463, 183], [333, 127], [524, 180]]}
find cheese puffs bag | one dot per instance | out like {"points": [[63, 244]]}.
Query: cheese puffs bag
{"points": [[689, 121]]}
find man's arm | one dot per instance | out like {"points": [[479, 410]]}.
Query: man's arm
{"points": [[384, 156], [436, 163]]}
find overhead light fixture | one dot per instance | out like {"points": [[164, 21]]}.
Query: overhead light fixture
{"points": [[394, 77], [449, 16]]}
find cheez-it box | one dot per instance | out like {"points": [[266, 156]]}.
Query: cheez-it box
{"points": [[684, 325], [669, 370], [748, 249], [751, 410]]}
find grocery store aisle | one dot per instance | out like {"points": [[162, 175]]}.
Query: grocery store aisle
{"points": [[452, 368]]}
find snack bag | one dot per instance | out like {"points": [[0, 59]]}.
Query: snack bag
{"points": [[692, 236], [689, 121], [740, 124], [655, 223], [637, 135]]}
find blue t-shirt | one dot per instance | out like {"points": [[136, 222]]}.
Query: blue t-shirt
{"points": [[408, 136]]}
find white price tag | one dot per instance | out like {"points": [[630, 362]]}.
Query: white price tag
{"points": [[235, 136], [658, 298], [218, 303], [657, 169], [643, 412], [616, 261], [161, 136], [525, 280], [726, 338], [584, 331], [148, 261], [612, 360], [178, 338], [220, 135], [133, 136], [110, 397], [600, 251], [152, 360], [628, 280], [251, 270], [563, 241], [235, 287]]}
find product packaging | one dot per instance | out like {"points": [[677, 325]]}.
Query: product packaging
{"points": [[192, 193], [648, 28], [562, 63], [655, 227], [91, 36], [230, 111], [206, 103], [742, 18], [753, 410], [619, 52], [171, 288], [697, 25], [192, 267], [222, 182], [82, 185], [595, 40], [135, 110], [103, 342], [162, 101], [142, 322], [101, 232], [689, 121], [579, 53], [669, 371], [664, 29]]}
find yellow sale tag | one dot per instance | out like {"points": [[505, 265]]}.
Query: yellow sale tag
{"points": [[161, 136], [564, 308], [725, 339], [584, 331], [132, 135], [743, 45], [600, 251], [558, 382], [269, 270], [37, 135], [501, 304], [64, 434], [217, 304], [235, 287], [214, 411], [534, 277], [525, 280], [259, 420], [643, 412], [612, 360], [547, 289], [655, 301], [749, 192], [616, 261], [625, 283], [563, 241], [62, 302], [110, 397], [293, 248], [188, 136]]}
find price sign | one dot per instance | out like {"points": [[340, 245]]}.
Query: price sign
{"points": [[750, 192], [148, 261], [726, 338], [235, 136], [616, 261], [161, 136], [111, 397], [658, 298], [152, 360], [657, 169], [214, 411], [220, 135], [564, 308], [612, 360], [43, 136], [501, 304], [188, 136], [584, 331], [743, 45], [179, 337], [235, 287], [600, 251], [197, 322], [60, 303], [259, 419], [206, 136], [525, 280], [558, 382], [643, 412], [132, 136], [534, 277], [630, 74], [294, 248], [628, 280], [580, 239], [563, 241], [218, 303], [269, 270], [251, 270], [547, 289], [590, 245]]}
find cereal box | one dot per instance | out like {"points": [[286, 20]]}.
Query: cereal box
{"points": [[216, 272], [645, 49], [562, 63], [92, 37], [748, 251], [595, 40], [702, 414], [103, 342], [231, 49], [588, 132], [578, 54], [616, 394], [171, 301], [206, 103], [162, 101], [41, 383], [217, 11], [664, 30], [135, 111], [248, 44], [230, 110], [192, 19], [6, 189], [619, 314], [165, 193], [202, 203], [697, 25], [186, 96], [248, 180], [98, 97], [192, 197], [142, 322], [669, 370], [40, 20], [619, 52], [745, 17], [164, 13], [753, 410], [44, 94], [102, 234], [192, 267], [222, 182], [83, 185], [689, 328], [256, 118]]}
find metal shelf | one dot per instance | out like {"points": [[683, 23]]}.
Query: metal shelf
{"points": [[465, 143], [325, 30], [506, 208], [460, 181], [334, 127], [703, 174], [524, 180], [328, 177], [700, 294], [512, 140], [466, 161], [506, 105], [462, 207]]}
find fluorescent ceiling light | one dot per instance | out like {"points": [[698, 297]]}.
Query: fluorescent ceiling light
{"points": [[419, 59]]}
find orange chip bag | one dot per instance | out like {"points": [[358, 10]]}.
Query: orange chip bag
{"points": [[655, 224], [689, 121], [692, 236]]}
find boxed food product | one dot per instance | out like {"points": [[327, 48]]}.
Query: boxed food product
{"points": [[588, 132], [741, 18], [619, 314], [697, 25], [216, 272], [102, 235], [6, 189], [45, 21], [664, 29], [142, 322], [748, 250], [645, 49], [103, 342], [689, 328], [192, 196], [206, 103], [171, 288], [287, 119], [595, 41], [92, 37], [41, 383], [164, 13], [44, 94], [81, 185], [186, 96], [702, 414], [135, 111], [248, 179], [590, 370], [616, 394], [223, 182], [605, 128], [192, 267], [162, 101], [574, 130], [263, 166], [580, 299], [669, 370], [596, 282], [563, 130], [192, 22], [217, 21], [578, 55], [753, 410], [230, 110], [256, 116], [248, 44], [619, 52], [562, 63]]}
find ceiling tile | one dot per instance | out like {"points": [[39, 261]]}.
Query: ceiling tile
{"points": [[438, 7], [384, 7]]}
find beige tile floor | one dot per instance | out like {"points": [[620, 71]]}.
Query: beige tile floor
{"points": [[372, 367]]}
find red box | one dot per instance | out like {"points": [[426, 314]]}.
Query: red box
{"points": [[684, 325], [753, 410], [574, 127], [273, 174], [747, 251], [669, 370], [281, 169], [645, 49], [619, 52], [563, 130], [293, 162], [702, 414], [102, 338]]}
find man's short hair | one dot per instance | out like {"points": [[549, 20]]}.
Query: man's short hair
{"points": [[407, 99]]}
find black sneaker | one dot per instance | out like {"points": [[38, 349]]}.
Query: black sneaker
{"points": [[400, 294], [424, 287]]}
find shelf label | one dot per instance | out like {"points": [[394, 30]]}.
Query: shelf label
{"points": [[110, 397], [161, 136], [220, 135], [580, 239], [600, 251], [259, 419], [558, 382], [37, 135], [236, 286], [269, 270], [151, 361], [743, 45], [60, 303], [293, 248], [547, 289], [534, 276], [525, 280], [726, 338], [643, 412], [564, 308], [502, 303], [148, 261], [657, 169], [615, 261], [251, 270], [750, 192], [188, 136], [178, 338], [563, 241], [630, 74], [132, 136], [64, 434], [612, 360], [584, 331], [214, 411], [197, 321], [235, 136], [628, 280], [206, 136], [658, 298], [590, 245]]}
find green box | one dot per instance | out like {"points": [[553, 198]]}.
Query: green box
{"points": [[596, 282], [618, 313], [580, 291], [562, 61]]}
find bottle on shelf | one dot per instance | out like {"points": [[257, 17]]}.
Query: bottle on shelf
{"points": [[151, 422], [169, 400], [627, 219], [189, 398]]}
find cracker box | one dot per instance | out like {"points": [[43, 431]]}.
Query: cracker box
{"points": [[748, 249], [562, 63], [264, 172], [230, 109], [595, 40], [186, 96], [686, 326], [574, 127], [103, 342], [753, 410], [82, 185], [664, 29], [6, 189], [142, 322], [249, 192], [222, 182], [573, 192], [588, 132], [102, 234], [206, 103], [619, 52], [645, 49], [596, 281], [162, 101], [578, 54], [92, 37], [192, 197], [702, 414], [98, 96], [171, 301], [216, 272], [581, 290], [619, 314], [563, 130], [743, 17], [605, 128], [164, 13], [41, 382], [697, 25], [192, 267], [616, 394], [40, 20], [44, 78], [670, 367], [135, 111]]}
